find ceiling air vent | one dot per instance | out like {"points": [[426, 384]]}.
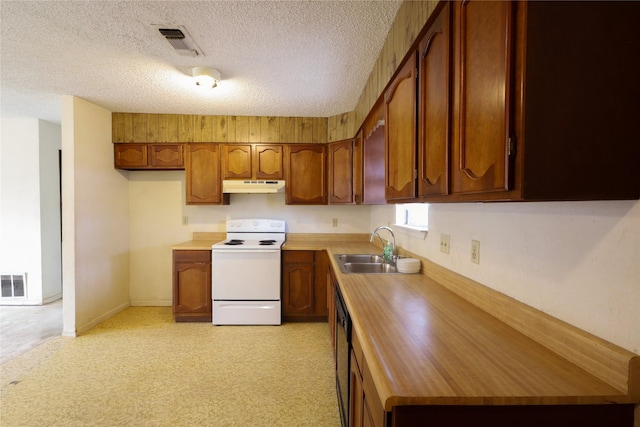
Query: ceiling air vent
{"points": [[179, 39]]}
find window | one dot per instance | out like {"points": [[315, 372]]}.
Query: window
{"points": [[414, 216]]}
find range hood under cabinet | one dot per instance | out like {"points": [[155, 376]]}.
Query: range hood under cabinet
{"points": [[251, 186]]}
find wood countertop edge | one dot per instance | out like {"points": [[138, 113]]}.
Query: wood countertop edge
{"points": [[195, 245]]}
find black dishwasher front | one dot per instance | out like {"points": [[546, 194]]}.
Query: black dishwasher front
{"points": [[343, 349]]}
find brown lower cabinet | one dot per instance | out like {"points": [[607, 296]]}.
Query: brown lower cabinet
{"points": [[304, 286], [331, 306], [356, 393], [192, 286], [365, 408]]}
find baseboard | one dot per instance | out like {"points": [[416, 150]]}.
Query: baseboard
{"points": [[52, 298], [154, 303]]}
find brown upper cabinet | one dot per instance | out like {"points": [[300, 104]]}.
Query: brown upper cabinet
{"points": [[202, 175], [545, 101], [252, 161], [520, 101], [434, 108], [400, 133], [148, 156], [373, 169], [577, 98], [482, 95], [305, 174], [341, 172], [358, 167]]}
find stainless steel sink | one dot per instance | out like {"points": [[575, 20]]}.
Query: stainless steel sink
{"points": [[360, 258], [364, 267], [364, 264]]}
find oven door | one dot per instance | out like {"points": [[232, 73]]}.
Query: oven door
{"points": [[239, 274], [245, 286]]}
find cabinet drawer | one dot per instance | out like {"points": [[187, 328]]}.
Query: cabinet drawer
{"points": [[201, 256], [296, 257]]}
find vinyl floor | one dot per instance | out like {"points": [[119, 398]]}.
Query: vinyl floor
{"points": [[141, 368], [23, 327]]}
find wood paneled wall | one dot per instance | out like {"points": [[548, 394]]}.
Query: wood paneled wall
{"points": [[341, 127], [142, 127], [410, 19]]}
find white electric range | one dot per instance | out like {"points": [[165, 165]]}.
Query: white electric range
{"points": [[245, 284]]}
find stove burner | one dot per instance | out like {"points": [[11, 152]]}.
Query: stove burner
{"points": [[266, 242], [234, 242]]}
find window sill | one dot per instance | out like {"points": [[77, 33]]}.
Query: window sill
{"points": [[416, 232]]}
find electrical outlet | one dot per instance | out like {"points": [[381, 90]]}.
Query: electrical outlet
{"points": [[444, 243], [185, 220], [334, 222], [475, 251]]}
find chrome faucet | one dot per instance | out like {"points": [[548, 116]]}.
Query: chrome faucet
{"points": [[388, 256]]}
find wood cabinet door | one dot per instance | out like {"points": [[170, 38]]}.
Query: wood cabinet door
{"points": [[236, 161], [320, 302], [203, 175], [482, 107], [267, 161], [358, 167], [433, 111], [400, 133], [331, 307], [192, 285], [374, 176], [166, 156], [298, 292], [341, 172], [305, 174], [356, 403], [128, 156]]}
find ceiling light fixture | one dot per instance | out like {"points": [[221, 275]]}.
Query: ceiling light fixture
{"points": [[206, 76]]}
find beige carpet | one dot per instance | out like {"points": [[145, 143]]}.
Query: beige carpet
{"points": [[140, 368]]}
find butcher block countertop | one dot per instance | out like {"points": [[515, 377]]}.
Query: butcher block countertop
{"points": [[437, 338]]}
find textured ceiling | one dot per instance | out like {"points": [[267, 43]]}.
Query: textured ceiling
{"points": [[277, 58]]}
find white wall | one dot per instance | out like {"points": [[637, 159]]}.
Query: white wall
{"points": [[95, 219], [50, 144], [30, 206], [157, 206], [577, 261]]}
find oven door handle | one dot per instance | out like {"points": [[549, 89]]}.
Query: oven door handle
{"points": [[245, 251]]}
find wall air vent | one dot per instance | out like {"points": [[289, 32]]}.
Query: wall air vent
{"points": [[178, 37], [13, 285]]}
